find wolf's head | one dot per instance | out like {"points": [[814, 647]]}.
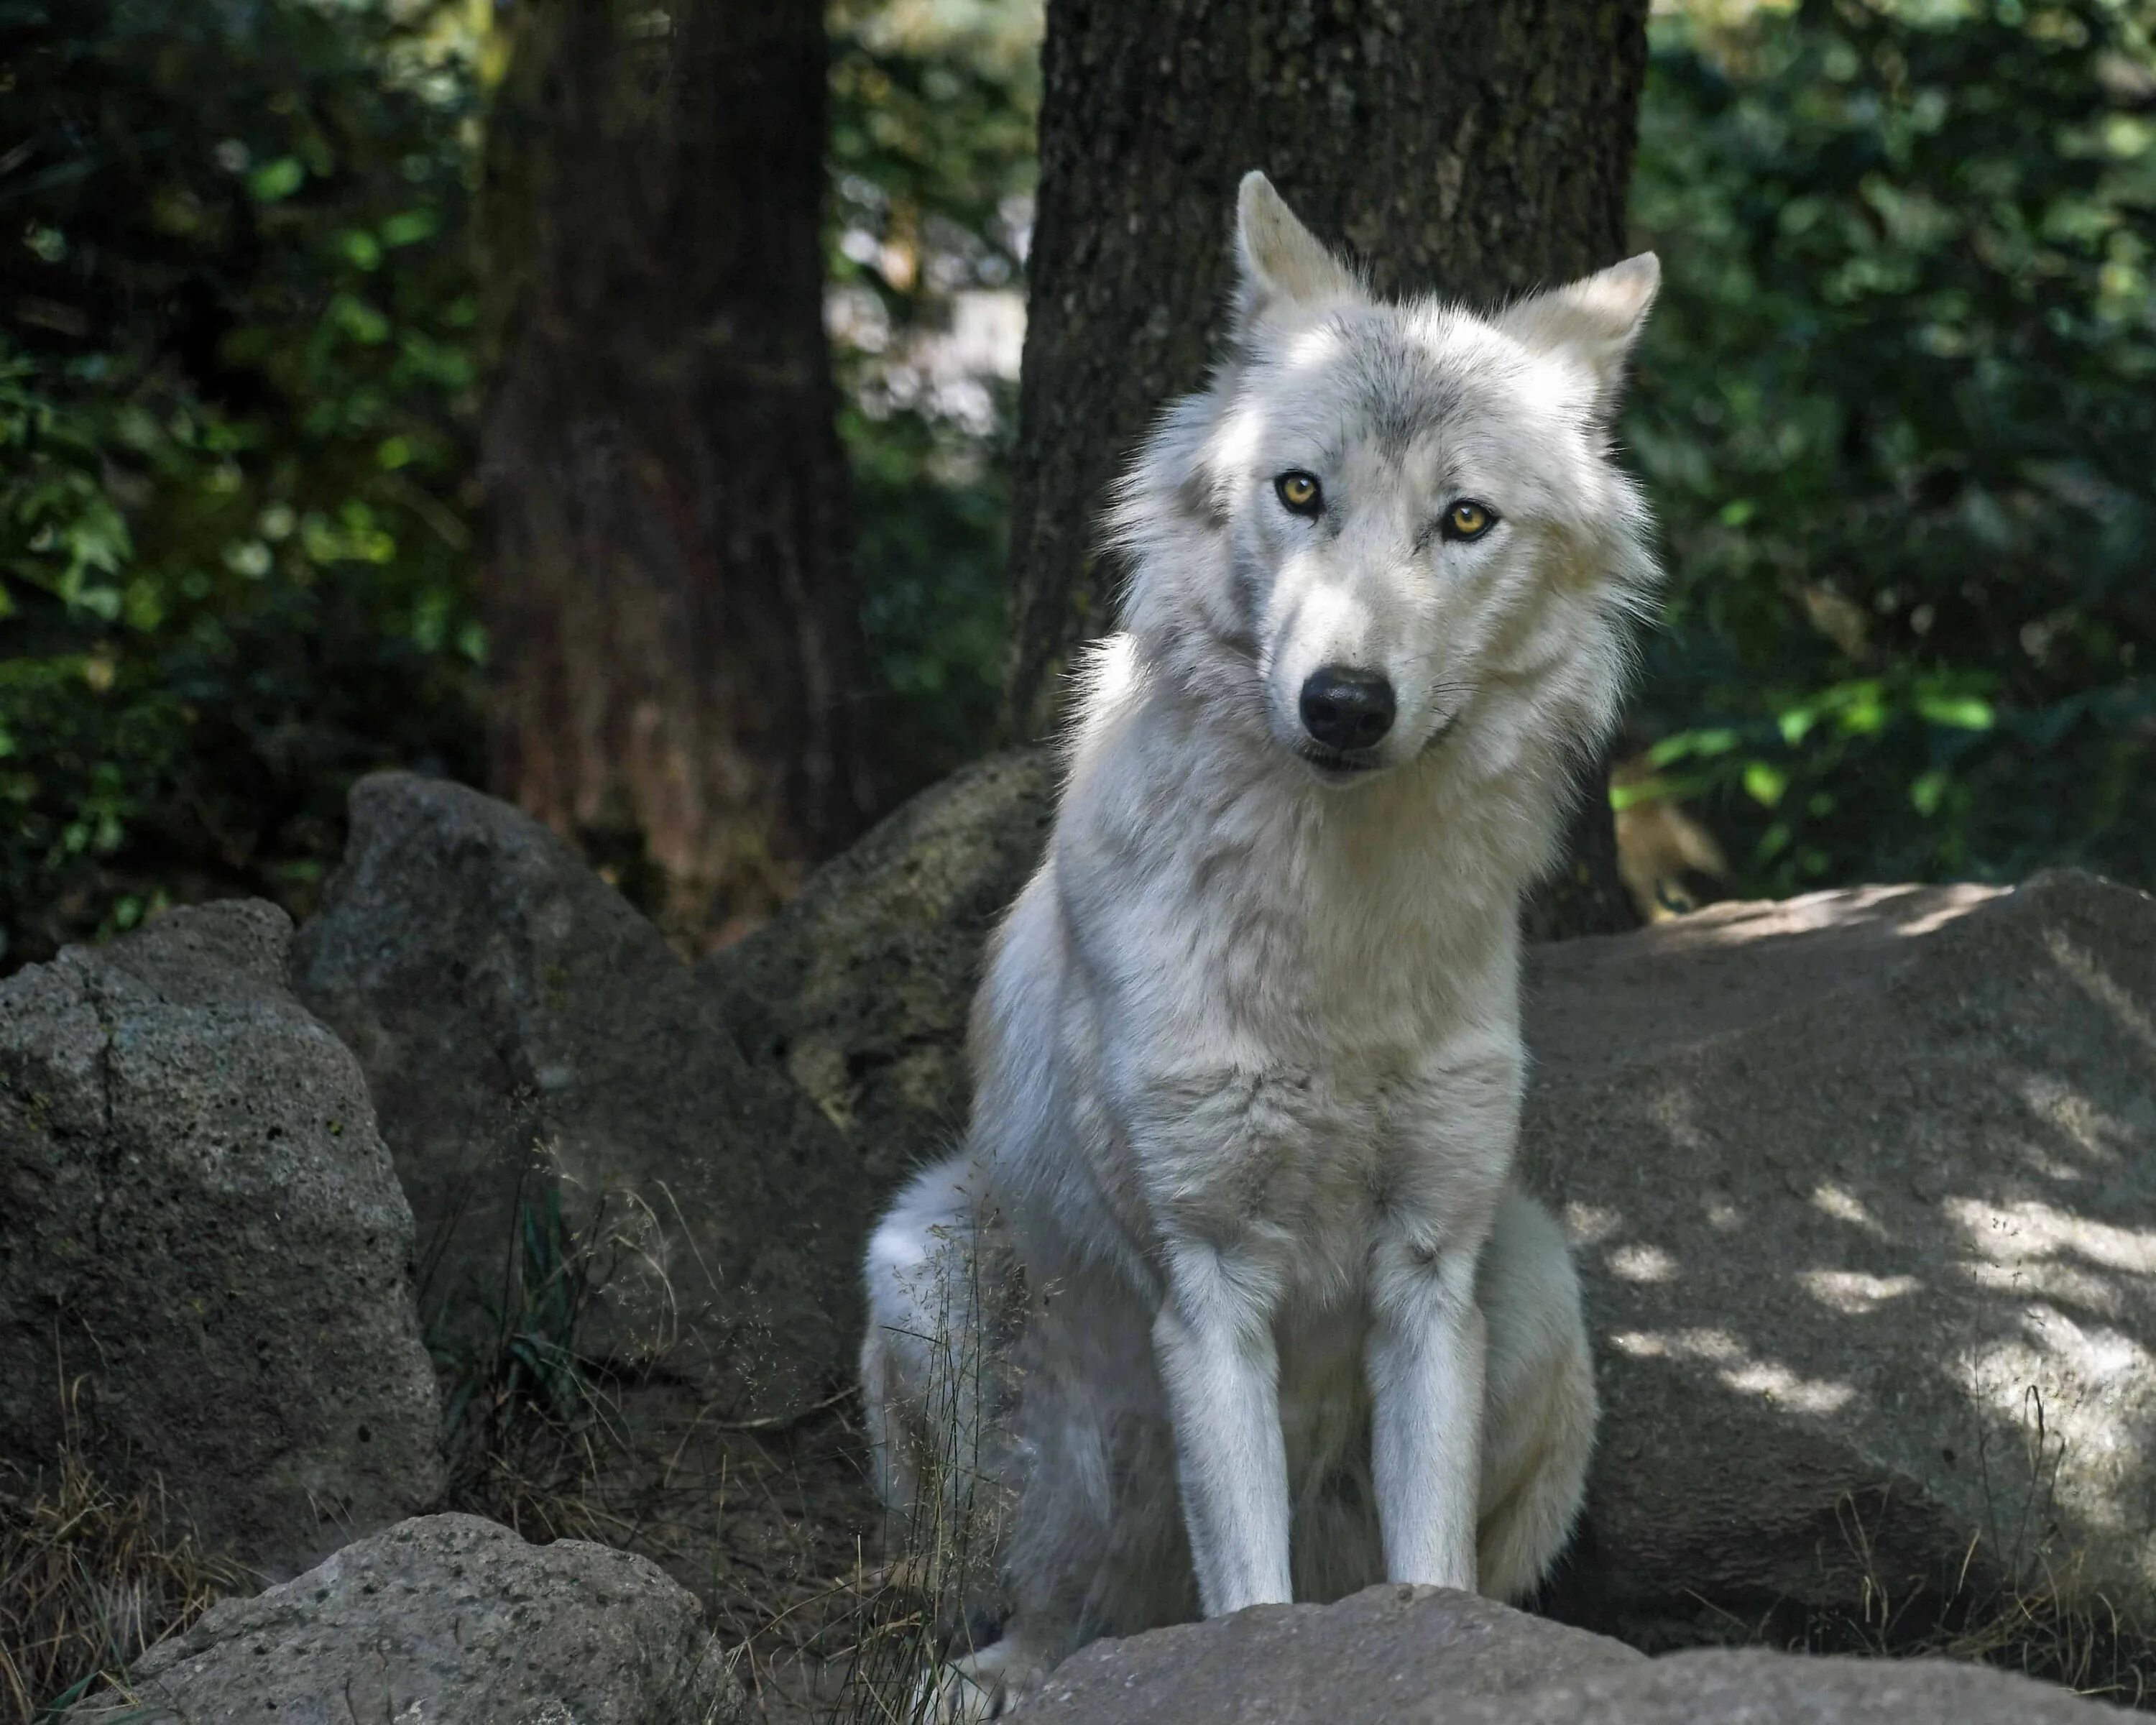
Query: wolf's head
{"points": [[1383, 526]]}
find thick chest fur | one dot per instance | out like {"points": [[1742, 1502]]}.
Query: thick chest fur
{"points": [[1302, 1017]]}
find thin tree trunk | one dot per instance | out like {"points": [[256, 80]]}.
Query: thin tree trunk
{"points": [[1466, 146], [677, 659]]}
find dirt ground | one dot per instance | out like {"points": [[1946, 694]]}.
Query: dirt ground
{"points": [[772, 1524]]}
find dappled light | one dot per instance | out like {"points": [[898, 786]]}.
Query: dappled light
{"points": [[1735, 1367], [1924, 1239], [1853, 1291]]}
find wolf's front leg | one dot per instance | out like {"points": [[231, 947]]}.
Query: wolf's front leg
{"points": [[1426, 1357], [1214, 1340]]}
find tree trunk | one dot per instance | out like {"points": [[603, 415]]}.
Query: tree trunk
{"points": [[676, 649], [1463, 146]]}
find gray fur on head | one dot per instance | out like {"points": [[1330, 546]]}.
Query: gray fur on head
{"points": [[1513, 649]]}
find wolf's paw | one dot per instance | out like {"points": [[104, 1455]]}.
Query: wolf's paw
{"points": [[991, 1684]]}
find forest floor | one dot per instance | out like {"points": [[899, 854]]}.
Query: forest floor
{"points": [[772, 1524]]}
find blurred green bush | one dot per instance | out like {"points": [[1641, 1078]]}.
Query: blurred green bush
{"points": [[1897, 411], [235, 447], [933, 109]]}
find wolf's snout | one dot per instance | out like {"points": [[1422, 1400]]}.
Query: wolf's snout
{"points": [[1346, 709]]}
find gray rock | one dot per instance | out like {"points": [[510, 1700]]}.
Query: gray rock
{"points": [[448, 1619], [525, 1032], [859, 988], [202, 1234], [1394, 1656], [1383, 1654], [1761, 1688], [1864, 1188]]}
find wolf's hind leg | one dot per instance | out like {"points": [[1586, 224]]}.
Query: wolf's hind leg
{"points": [[991, 1684], [1540, 1408], [931, 1366]]}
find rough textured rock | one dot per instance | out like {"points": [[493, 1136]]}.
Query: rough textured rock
{"points": [[1754, 1688], [1395, 1655], [201, 1231], [1864, 1188], [523, 1030], [1374, 1656], [860, 988], [446, 1619]]}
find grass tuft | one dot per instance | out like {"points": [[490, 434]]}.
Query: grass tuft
{"points": [[90, 1577], [2018, 1601], [925, 1608]]}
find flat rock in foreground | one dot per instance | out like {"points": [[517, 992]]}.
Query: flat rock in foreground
{"points": [[1734, 1688], [201, 1234], [450, 1619], [526, 1034], [1402, 1656], [1864, 1189], [1372, 1657]]}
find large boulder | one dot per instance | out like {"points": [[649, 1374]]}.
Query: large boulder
{"points": [[528, 1035], [1864, 1190], [1397, 1655], [205, 1260], [859, 988], [450, 1619]]}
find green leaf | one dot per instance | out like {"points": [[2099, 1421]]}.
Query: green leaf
{"points": [[275, 180], [1928, 792], [410, 227], [1685, 743], [1963, 712], [1765, 783]]}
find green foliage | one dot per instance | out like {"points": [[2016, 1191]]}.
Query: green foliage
{"points": [[234, 405], [1896, 409], [527, 1365], [933, 108]]}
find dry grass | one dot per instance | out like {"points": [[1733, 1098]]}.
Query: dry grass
{"points": [[917, 1614], [89, 1578], [2018, 1600], [527, 1424], [764, 1518]]}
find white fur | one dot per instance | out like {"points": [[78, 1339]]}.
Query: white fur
{"points": [[1277, 1322]]}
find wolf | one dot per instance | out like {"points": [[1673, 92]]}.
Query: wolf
{"points": [[1257, 1309]]}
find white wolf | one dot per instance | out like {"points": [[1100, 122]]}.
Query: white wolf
{"points": [[1247, 1055]]}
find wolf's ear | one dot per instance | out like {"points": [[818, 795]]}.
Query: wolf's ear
{"points": [[1280, 263], [1594, 321]]}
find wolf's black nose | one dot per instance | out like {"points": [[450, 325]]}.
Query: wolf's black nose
{"points": [[1346, 709]]}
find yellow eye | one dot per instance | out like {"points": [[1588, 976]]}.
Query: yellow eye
{"points": [[1300, 492], [1468, 520]]}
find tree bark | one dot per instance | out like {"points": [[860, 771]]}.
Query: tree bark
{"points": [[1463, 146], [677, 667]]}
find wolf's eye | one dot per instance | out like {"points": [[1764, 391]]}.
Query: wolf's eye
{"points": [[1300, 492], [1469, 519]]}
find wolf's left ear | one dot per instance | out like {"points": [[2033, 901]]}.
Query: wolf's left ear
{"points": [[1594, 321], [1280, 264]]}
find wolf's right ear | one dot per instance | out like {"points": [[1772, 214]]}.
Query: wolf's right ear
{"points": [[1280, 264]]}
